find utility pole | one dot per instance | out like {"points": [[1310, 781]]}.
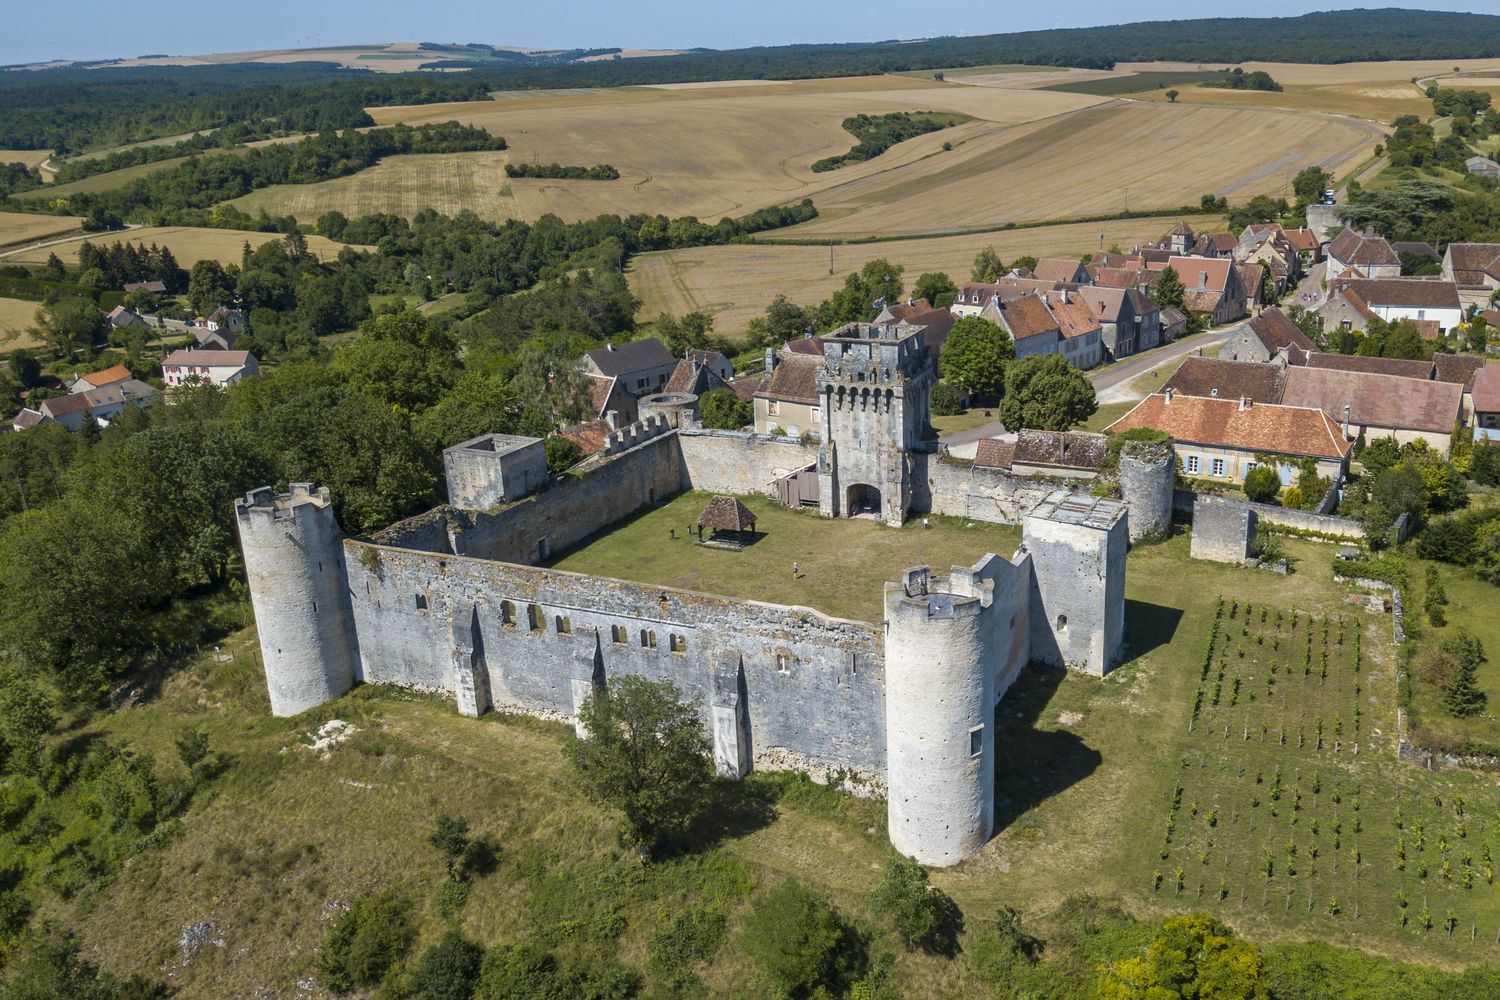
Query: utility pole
{"points": [[830, 256]]}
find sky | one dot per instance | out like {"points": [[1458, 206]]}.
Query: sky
{"points": [[101, 29]]}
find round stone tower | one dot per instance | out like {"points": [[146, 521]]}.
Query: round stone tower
{"points": [[1147, 472], [294, 561], [939, 721], [680, 409]]}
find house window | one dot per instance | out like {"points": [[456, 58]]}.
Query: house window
{"points": [[976, 741], [640, 383], [1217, 468], [773, 407], [421, 602], [1193, 465]]}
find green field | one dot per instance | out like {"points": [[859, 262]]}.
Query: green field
{"points": [[1135, 83], [643, 548]]}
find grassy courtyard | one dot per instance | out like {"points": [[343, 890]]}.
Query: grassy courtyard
{"points": [[842, 564]]}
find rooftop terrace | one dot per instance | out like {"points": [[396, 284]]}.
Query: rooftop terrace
{"points": [[843, 564]]}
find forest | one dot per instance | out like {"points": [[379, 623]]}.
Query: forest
{"points": [[877, 133]]}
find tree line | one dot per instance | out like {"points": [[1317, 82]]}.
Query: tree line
{"points": [[877, 133], [556, 171]]}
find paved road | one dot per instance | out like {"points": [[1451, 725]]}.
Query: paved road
{"points": [[1111, 377]]}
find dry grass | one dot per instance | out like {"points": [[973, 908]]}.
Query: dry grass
{"points": [[718, 150], [188, 245], [402, 185], [15, 316], [736, 282], [22, 227], [1396, 72], [1381, 102], [29, 157], [1099, 160]]}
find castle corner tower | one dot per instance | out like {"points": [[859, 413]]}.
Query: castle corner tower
{"points": [[294, 561]]}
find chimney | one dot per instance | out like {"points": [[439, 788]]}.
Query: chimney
{"points": [[1202, 279], [1346, 420], [1167, 392], [1244, 403], [770, 360]]}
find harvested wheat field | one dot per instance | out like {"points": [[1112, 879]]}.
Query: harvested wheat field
{"points": [[736, 282], [16, 315], [1100, 160], [720, 150], [188, 245], [25, 157], [401, 185], [17, 228]]}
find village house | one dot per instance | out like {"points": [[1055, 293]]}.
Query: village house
{"points": [[1129, 320], [787, 400], [1473, 266], [1265, 337], [1060, 454], [1482, 166], [1210, 286], [1225, 438], [695, 377], [1060, 269], [642, 366], [99, 379], [121, 318], [222, 339], [219, 368], [150, 287], [607, 395], [1345, 310], [1078, 329], [1174, 324], [1253, 280], [1486, 403], [1417, 299], [1368, 255], [713, 361], [1379, 405], [100, 404], [1031, 325], [1214, 378]]}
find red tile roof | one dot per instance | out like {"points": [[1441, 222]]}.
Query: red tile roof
{"points": [[1055, 269], [1027, 316], [589, 435], [109, 376], [994, 454], [1371, 366], [1459, 368], [794, 380], [1286, 430], [1487, 389]]}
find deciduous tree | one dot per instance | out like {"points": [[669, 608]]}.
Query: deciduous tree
{"points": [[975, 355], [1044, 391]]}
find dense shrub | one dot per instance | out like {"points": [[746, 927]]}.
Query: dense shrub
{"points": [[799, 941], [723, 410], [556, 171], [922, 914], [877, 133], [691, 936], [946, 400], [1262, 483], [449, 970], [370, 938]]}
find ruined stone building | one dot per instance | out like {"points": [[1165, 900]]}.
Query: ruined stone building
{"points": [[456, 599]]}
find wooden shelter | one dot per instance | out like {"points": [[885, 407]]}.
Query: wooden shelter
{"points": [[726, 516]]}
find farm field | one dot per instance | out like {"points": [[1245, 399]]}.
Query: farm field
{"points": [[738, 281], [27, 157], [720, 150], [404, 185], [1099, 160], [189, 245], [15, 316], [23, 227]]}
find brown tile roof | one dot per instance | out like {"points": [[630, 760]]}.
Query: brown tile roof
{"points": [[1012, 288], [589, 436], [1376, 400], [1202, 273], [1172, 316], [57, 406], [1301, 240], [711, 358], [1216, 379], [599, 388], [1491, 316], [693, 377], [1473, 261], [1487, 389], [1108, 303], [1117, 260], [1060, 449], [1427, 329], [1286, 430], [809, 346], [1201, 301], [1074, 318], [1362, 250], [746, 388], [1356, 301], [1181, 229], [1055, 269], [978, 293], [209, 359], [726, 514], [1252, 276], [1425, 293], [145, 286], [1459, 368], [1119, 277], [26, 418], [994, 454], [794, 380], [1277, 331], [1223, 242], [1371, 366], [109, 376], [1027, 316]]}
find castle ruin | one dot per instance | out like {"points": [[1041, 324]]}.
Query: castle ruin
{"points": [[455, 599]]}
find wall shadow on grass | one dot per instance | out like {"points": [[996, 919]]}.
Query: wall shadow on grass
{"points": [[1031, 764], [1148, 627]]}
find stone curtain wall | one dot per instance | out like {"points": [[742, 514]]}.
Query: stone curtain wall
{"points": [[1300, 520], [958, 488], [812, 687], [738, 462], [1222, 529]]}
